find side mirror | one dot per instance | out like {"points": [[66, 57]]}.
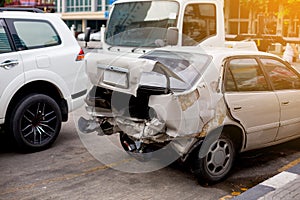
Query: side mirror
{"points": [[172, 36]]}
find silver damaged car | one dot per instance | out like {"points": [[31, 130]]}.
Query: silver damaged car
{"points": [[207, 105]]}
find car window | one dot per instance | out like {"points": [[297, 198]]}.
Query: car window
{"points": [[188, 66], [280, 75], [4, 42], [244, 74], [34, 34], [199, 22]]}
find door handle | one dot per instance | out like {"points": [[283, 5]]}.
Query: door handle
{"points": [[8, 64], [237, 108], [285, 102]]}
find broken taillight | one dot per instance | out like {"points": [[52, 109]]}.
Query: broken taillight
{"points": [[80, 55]]}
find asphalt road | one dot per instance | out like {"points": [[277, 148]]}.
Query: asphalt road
{"points": [[68, 171]]}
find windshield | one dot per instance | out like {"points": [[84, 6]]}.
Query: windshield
{"points": [[141, 24], [188, 66]]}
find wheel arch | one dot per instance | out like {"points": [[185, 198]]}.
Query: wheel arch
{"points": [[233, 131], [40, 87], [203, 151]]}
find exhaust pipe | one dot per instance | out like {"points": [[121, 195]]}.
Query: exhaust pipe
{"points": [[88, 126], [103, 127]]}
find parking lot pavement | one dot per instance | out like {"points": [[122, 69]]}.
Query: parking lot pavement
{"points": [[284, 185], [90, 45], [68, 171]]}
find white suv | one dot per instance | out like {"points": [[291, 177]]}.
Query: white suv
{"points": [[42, 77]]}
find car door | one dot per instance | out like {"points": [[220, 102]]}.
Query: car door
{"points": [[36, 41], [11, 68], [251, 101], [286, 84]]}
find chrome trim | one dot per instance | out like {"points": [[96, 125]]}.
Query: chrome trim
{"points": [[113, 68]]}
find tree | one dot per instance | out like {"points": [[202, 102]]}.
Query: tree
{"points": [[2, 3], [254, 6], [285, 9], [292, 11]]}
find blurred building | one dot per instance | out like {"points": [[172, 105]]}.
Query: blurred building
{"points": [[80, 13], [238, 18], [84, 13], [45, 5]]}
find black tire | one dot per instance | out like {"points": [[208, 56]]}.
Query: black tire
{"points": [[35, 122], [217, 162]]}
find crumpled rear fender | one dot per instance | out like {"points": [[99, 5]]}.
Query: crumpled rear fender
{"points": [[186, 114]]}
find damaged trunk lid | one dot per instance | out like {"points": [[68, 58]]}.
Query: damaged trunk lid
{"points": [[125, 74]]}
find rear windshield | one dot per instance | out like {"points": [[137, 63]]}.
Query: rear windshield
{"points": [[188, 66]]}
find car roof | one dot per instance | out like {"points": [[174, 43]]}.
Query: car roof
{"points": [[26, 15], [217, 51], [54, 18], [180, 1], [34, 10]]}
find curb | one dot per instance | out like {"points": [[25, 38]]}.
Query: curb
{"points": [[284, 185]]}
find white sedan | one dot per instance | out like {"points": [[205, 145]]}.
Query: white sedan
{"points": [[208, 105], [93, 36]]}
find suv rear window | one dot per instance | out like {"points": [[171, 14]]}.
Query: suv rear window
{"points": [[32, 34]]}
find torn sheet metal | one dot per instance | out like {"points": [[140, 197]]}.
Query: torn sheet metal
{"points": [[140, 129], [121, 73], [183, 145], [183, 114], [218, 119]]}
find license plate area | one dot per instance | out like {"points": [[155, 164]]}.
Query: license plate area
{"points": [[115, 76]]}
